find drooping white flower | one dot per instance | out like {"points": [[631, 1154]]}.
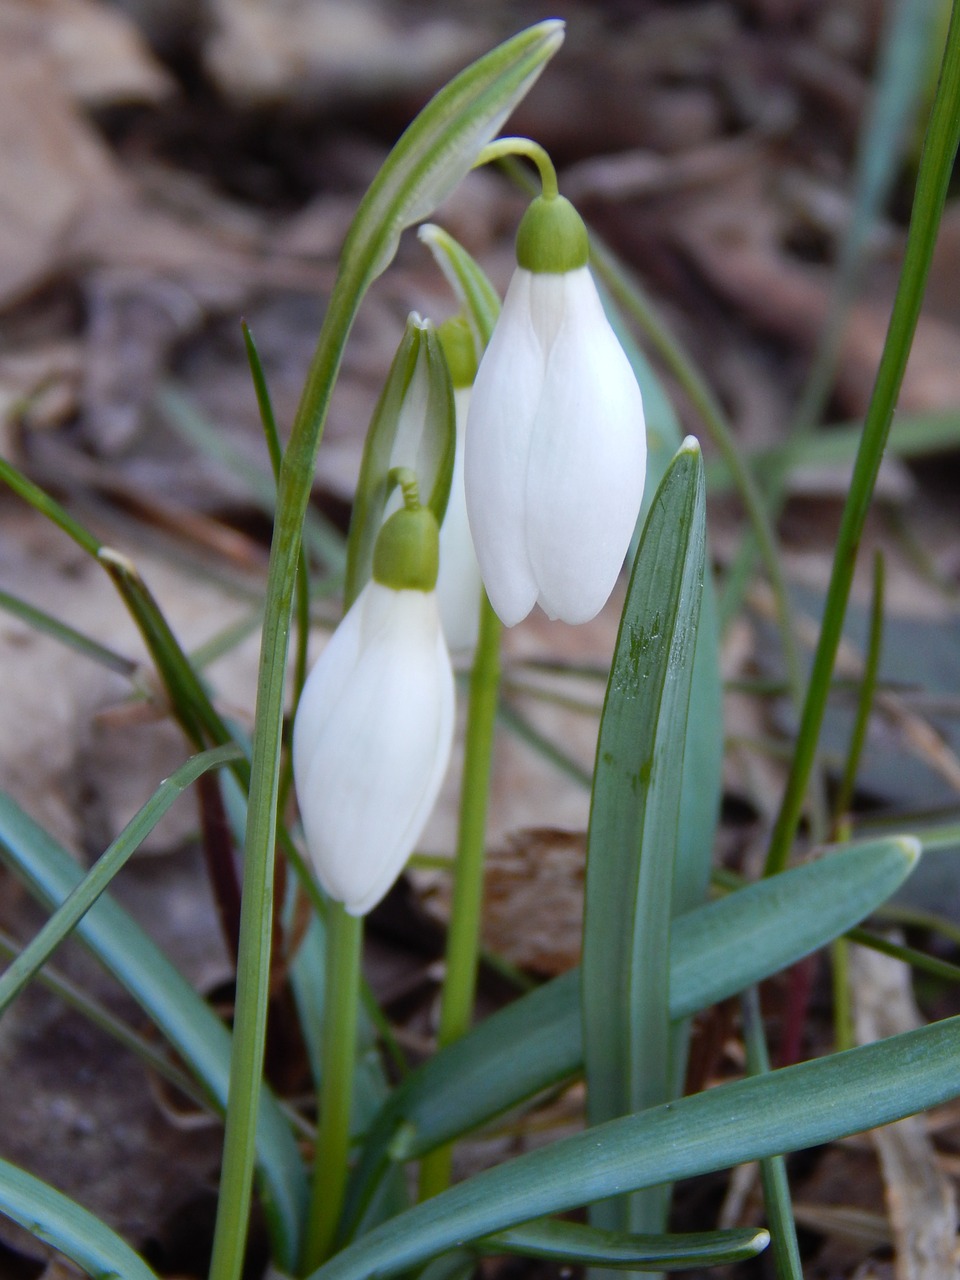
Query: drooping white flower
{"points": [[372, 736], [459, 587], [556, 445]]}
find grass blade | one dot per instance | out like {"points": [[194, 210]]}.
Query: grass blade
{"points": [[95, 882]]}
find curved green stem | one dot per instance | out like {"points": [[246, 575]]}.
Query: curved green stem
{"points": [[344, 948], [253, 968], [463, 938], [504, 147]]}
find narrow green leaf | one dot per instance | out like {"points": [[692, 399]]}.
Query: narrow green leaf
{"points": [[773, 1169], [702, 778], [632, 837], [572, 1244], [188, 1023], [45, 623], [836, 446], [95, 882], [786, 1110], [438, 149], [933, 180], [53, 1218], [715, 951]]}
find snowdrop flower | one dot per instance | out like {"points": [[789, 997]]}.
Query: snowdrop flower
{"points": [[459, 587], [555, 447], [373, 731]]}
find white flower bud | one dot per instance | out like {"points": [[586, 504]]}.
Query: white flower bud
{"points": [[372, 741], [555, 451]]}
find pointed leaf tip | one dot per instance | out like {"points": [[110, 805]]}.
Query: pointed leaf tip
{"points": [[912, 849]]}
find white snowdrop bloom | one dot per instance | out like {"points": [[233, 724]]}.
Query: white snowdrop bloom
{"points": [[459, 587], [555, 444], [373, 732]]}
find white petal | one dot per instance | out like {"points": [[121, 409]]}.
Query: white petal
{"points": [[587, 459], [506, 394], [459, 586], [378, 758]]}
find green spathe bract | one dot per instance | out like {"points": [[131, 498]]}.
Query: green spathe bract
{"points": [[407, 554], [551, 238]]}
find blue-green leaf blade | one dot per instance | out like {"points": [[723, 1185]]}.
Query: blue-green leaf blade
{"points": [[572, 1243], [60, 1222], [716, 950], [786, 1110], [167, 998]]}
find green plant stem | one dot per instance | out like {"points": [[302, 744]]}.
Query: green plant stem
{"points": [[504, 147], [344, 944], [843, 1036], [463, 937], [868, 688], [773, 1170], [253, 968], [936, 166]]}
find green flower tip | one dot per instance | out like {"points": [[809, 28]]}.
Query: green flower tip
{"points": [[460, 350], [552, 238], [407, 552]]}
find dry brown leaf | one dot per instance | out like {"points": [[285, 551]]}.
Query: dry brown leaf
{"points": [[920, 1198], [735, 236], [325, 50], [98, 53]]}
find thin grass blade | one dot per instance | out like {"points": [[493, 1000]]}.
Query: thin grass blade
{"points": [[35, 955]]}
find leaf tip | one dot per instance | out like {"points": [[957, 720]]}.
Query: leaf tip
{"points": [[911, 848], [761, 1239], [690, 444]]}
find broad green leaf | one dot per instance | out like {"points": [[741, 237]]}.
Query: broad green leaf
{"points": [[786, 1110], [571, 1243], [632, 836], [188, 1023], [53, 1218], [469, 282], [716, 951], [413, 426], [701, 783], [95, 882]]}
